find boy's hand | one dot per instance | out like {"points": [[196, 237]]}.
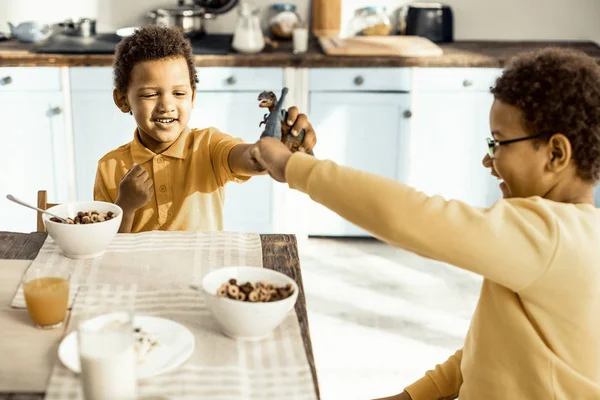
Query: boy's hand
{"points": [[135, 189], [252, 165], [271, 155], [298, 122]]}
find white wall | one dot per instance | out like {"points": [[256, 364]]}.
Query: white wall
{"points": [[474, 19]]}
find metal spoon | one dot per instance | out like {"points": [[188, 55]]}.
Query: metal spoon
{"points": [[21, 202]]}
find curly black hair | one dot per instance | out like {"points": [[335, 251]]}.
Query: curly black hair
{"points": [[149, 43], [558, 90]]}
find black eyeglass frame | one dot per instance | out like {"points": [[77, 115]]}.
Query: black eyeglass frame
{"points": [[493, 143]]}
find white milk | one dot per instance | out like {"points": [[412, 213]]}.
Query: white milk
{"points": [[108, 368], [300, 40]]}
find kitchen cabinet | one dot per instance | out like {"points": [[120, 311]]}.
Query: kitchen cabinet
{"points": [[227, 100], [358, 126], [98, 125], [35, 145], [449, 125]]}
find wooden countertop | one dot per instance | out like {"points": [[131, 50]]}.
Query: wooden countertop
{"points": [[458, 54]]}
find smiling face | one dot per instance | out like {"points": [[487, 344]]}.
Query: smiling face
{"points": [[161, 98], [522, 166]]}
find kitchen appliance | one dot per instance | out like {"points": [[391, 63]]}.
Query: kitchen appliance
{"points": [[433, 21], [190, 17]]}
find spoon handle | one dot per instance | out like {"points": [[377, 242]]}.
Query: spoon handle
{"points": [[21, 202]]}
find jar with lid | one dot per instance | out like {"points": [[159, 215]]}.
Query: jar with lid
{"points": [[370, 21], [282, 20]]}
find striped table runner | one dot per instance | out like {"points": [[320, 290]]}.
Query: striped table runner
{"points": [[151, 259], [220, 368]]}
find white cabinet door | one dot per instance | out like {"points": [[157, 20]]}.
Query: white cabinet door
{"points": [[34, 155], [448, 132], [359, 130], [248, 206], [98, 127]]}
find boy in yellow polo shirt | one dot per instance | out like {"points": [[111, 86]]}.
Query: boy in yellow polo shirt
{"points": [[535, 334], [170, 177]]}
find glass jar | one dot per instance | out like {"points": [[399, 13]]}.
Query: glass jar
{"points": [[370, 21], [282, 20]]}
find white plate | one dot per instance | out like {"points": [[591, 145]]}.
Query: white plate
{"points": [[176, 345]]}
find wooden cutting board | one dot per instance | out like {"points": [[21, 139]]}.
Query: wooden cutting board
{"points": [[399, 46]]}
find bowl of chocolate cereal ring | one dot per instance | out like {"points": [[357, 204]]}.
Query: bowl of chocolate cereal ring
{"points": [[249, 303], [87, 229]]}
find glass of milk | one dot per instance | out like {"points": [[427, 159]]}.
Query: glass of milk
{"points": [[107, 357], [300, 39]]}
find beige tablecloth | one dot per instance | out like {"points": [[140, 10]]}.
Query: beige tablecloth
{"points": [[152, 259], [162, 265], [220, 368], [27, 354]]}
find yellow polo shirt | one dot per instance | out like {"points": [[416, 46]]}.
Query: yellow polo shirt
{"points": [[189, 179]]}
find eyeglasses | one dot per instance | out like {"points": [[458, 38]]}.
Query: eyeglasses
{"points": [[493, 143]]}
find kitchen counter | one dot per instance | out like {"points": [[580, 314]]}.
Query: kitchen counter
{"points": [[458, 54]]}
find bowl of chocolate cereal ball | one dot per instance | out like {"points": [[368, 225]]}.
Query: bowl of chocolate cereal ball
{"points": [[248, 303], [89, 228]]}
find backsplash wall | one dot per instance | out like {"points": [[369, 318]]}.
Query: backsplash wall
{"points": [[474, 19]]}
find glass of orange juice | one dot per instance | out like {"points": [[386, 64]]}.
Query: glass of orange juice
{"points": [[47, 297]]}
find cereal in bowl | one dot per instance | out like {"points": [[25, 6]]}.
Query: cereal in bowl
{"points": [[89, 217], [259, 292]]}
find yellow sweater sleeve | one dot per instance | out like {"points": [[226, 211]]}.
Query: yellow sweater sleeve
{"points": [[441, 383], [512, 243]]}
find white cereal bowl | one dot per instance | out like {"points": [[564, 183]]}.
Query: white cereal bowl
{"points": [[83, 241], [244, 320]]}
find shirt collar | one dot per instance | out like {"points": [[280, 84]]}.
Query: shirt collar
{"points": [[142, 154]]}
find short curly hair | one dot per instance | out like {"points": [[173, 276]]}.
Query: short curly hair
{"points": [[149, 43], [558, 90]]}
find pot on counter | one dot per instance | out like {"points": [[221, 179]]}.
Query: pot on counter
{"points": [[190, 20], [82, 27]]}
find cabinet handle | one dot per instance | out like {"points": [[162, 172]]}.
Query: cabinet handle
{"points": [[231, 80], [7, 80], [359, 80], [407, 114], [54, 111], [467, 83]]}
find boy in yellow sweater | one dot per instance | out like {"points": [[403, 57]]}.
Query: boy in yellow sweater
{"points": [[170, 177], [535, 333]]}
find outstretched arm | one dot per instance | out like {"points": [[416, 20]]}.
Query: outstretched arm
{"points": [[241, 161]]}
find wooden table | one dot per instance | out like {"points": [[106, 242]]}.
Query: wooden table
{"points": [[280, 253]]}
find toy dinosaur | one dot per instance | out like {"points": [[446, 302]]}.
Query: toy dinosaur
{"points": [[275, 122]]}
